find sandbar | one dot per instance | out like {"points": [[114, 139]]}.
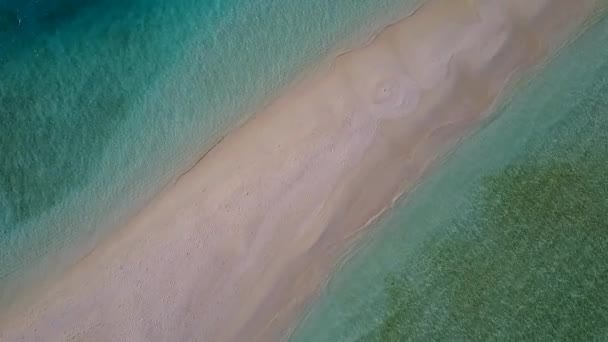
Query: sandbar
{"points": [[238, 247]]}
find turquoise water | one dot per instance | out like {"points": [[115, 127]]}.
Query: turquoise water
{"points": [[508, 239], [104, 102]]}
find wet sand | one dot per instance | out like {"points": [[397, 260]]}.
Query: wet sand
{"points": [[242, 242]]}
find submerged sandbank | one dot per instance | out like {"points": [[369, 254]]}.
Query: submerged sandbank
{"points": [[242, 242]]}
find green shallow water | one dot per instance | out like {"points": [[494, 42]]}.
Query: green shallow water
{"points": [[104, 102], [507, 239]]}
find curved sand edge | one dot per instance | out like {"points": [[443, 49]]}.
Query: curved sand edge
{"points": [[242, 242]]}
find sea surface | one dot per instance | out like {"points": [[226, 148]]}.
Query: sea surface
{"points": [[105, 102], [507, 239]]}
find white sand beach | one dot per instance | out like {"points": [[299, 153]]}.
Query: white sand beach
{"points": [[238, 246]]}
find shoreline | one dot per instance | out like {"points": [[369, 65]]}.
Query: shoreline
{"points": [[303, 140]]}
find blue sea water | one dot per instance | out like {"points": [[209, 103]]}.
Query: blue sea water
{"points": [[104, 102], [508, 239]]}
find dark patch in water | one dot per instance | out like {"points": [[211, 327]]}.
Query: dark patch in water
{"points": [[64, 94], [9, 20]]}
